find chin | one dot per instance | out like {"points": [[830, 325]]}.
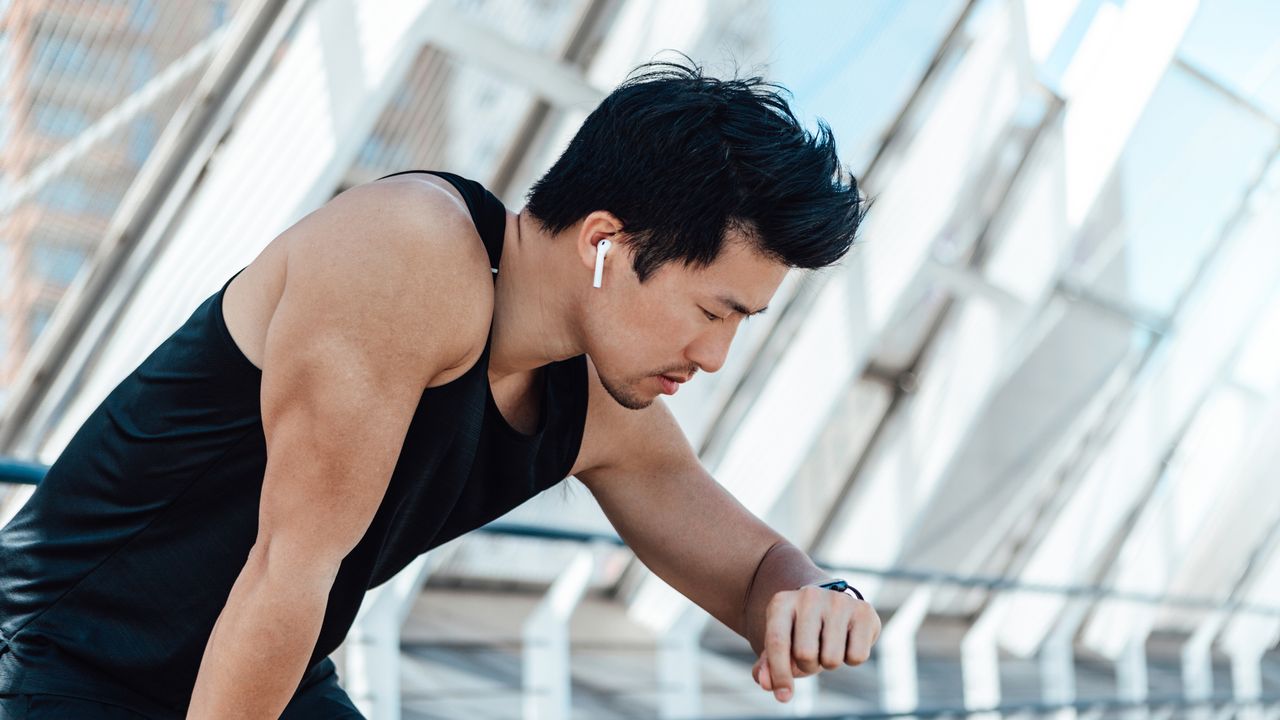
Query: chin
{"points": [[626, 395]]}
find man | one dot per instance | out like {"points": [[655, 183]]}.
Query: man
{"points": [[401, 366]]}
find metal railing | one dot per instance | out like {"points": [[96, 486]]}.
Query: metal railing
{"points": [[1040, 709], [19, 472], [1094, 592]]}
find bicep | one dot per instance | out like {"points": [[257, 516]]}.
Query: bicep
{"points": [[680, 522], [333, 422]]}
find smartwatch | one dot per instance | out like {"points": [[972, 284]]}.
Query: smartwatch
{"points": [[844, 587]]}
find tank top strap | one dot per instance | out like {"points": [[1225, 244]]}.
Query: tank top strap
{"points": [[487, 211]]}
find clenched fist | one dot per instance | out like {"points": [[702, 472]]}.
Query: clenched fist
{"points": [[809, 630]]}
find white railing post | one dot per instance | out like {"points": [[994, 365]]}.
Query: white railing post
{"points": [[1131, 676], [1197, 665], [899, 679], [371, 652], [1058, 659], [546, 642], [980, 665], [678, 671], [1246, 679]]}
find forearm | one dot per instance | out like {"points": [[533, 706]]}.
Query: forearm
{"points": [[260, 644], [783, 567]]}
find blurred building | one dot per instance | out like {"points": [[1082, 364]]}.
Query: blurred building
{"points": [[68, 68]]}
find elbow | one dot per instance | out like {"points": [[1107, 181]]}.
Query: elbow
{"points": [[301, 566]]}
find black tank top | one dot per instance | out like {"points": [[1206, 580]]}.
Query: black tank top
{"points": [[113, 573]]}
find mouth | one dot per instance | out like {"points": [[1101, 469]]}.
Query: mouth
{"points": [[671, 383]]}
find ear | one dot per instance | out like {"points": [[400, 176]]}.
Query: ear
{"points": [[597, 226]]}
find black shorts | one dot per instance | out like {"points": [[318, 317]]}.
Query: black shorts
{"points": [[319, 697]]}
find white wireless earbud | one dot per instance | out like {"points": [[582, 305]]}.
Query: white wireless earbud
{"points": [[601, 249]]}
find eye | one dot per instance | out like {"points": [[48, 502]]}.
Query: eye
{"points": [[709, 315]]}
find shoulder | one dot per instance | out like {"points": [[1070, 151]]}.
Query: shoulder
{"points": [[618, 441], [404, 261]]}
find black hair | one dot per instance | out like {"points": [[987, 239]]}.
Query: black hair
{"points": [[680, 158]]}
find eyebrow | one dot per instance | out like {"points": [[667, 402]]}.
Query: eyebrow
{"points": [[739, 307]]}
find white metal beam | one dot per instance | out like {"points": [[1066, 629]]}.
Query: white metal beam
{"points": [[1085, 113], [468, 40], [1227, 300]]}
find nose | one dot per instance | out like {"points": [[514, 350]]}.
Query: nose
{"points": [[709, 350]]}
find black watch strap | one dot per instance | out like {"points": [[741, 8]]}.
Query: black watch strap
{"points": [[841, 586]]}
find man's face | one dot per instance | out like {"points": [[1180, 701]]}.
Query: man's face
{"points": [[638, 332]]}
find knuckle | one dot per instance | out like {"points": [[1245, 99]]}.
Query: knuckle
{"points": [[864, 613], [875, 623], [858, 656], [830, 663]]}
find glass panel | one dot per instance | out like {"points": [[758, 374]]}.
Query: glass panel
{"points": [[1237, 42], [868, 60], [1188, 164]]}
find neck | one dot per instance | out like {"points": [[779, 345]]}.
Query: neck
{"points": [[533, 307]]}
